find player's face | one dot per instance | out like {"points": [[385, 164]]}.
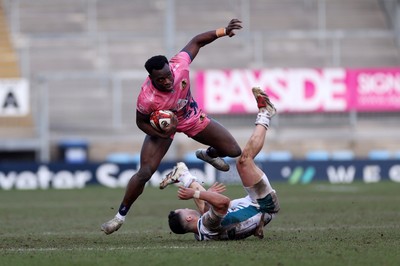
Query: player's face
{"points": [[185, 213], [163, 79]]}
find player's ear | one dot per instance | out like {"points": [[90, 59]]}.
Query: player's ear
{"points": [[189, 218]]}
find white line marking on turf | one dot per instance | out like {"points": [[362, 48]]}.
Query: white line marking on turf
{"points": [[100, 249], [272, 228]]}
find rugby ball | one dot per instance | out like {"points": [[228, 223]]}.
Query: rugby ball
{"points": [[160, 119]]}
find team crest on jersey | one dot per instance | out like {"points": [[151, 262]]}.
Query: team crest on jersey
{"points": [[184, 84]]}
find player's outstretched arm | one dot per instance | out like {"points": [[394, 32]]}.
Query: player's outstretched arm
{"points": [[219, 202], [202, 39], [200, 204]]}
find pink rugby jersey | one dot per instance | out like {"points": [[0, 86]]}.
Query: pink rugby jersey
{"points": [[179, 100]]}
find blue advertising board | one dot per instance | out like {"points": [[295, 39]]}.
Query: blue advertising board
{"points": [[71, 176]]}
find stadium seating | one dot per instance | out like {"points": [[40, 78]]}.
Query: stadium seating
{"points": [[18, 134], [262, 156], [122, 157], [89, 53], [73, 150], [9, 67], [280, 155], [317, 155], [190, 157], [342, 155], [379, 155]]}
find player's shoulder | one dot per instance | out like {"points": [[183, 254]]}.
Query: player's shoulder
{"points": [[181, 57]]}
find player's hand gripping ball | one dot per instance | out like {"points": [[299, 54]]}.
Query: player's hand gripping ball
{"points": [[161, 119]]}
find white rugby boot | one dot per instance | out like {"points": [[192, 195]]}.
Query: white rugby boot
{"points": [[180, 173], [111, 226]]}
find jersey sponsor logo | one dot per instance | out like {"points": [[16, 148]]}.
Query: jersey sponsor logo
{"points": [[181, 103]]}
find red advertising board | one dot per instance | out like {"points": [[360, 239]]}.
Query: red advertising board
{"points": [[300, 90]]}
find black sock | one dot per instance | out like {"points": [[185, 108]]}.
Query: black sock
{"points": [[123, 210], [208, 151]]}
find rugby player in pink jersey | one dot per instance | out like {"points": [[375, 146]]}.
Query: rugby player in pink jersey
{"points": [[167, 87]]}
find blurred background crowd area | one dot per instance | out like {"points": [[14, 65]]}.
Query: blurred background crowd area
{"points": [[83, 60]]}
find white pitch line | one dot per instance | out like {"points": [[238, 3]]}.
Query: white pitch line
{"points": [[76, 233], [101, 249], [271, 228]]}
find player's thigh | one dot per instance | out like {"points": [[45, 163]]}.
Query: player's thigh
{"points": [[153, 151], [217, 136]]}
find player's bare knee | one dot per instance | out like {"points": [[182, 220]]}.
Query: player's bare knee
{"points": [[243, 160], [233, 151], [144, 174]]}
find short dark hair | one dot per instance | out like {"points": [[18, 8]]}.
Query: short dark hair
{"points": [[175, 223], [156, 62]]}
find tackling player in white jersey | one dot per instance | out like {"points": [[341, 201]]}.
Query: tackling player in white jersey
{"points": [[218, 217]]}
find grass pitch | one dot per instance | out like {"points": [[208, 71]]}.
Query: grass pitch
{"points": [[319, 224]]}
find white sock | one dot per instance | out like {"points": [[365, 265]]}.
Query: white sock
{"points": [[187, 179], [263, 118], [119, 216], [259, 190]]}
